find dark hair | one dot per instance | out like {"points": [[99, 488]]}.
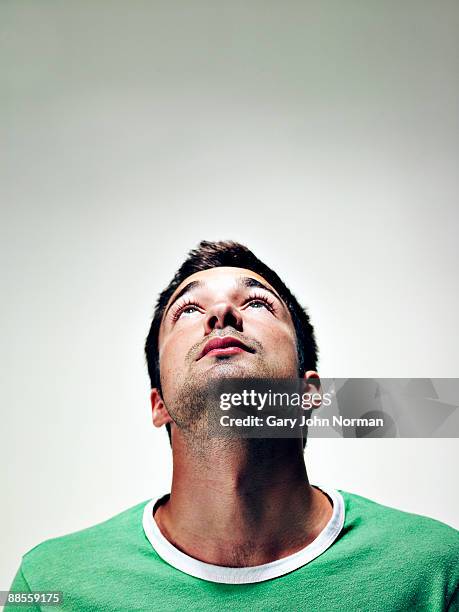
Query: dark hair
{"points": [[227, 253]]}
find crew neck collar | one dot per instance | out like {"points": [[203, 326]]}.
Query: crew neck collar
{"points": [[245, 575]]}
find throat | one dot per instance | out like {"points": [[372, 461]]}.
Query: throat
{"points": [[241, 503]]}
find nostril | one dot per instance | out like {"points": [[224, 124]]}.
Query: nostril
{"points": [[223, 315], [230, 319], [212, 321]]}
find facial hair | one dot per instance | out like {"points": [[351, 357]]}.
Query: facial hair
{"points": [[194, 402]]}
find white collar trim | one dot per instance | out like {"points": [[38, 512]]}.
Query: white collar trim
{"points": [[245, 575]]}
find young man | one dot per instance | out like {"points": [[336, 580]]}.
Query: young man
{"points": [[242, 527]]}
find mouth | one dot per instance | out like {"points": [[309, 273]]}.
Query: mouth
{"points": [[224, 347]]}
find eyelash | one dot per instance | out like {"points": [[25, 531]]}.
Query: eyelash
{"points": [[253, 298], [259, 297], [176, 314]]}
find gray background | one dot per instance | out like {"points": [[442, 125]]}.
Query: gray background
{"points": [[322, 134]]}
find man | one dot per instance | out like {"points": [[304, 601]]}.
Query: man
{"points": [[242, 528]]}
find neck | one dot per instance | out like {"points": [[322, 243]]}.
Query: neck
{"points": [[241, 503]]}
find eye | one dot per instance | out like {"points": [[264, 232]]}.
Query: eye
{"points": [[188, 308], [258, 304], [260, 301]]}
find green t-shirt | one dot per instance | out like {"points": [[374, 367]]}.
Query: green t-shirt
{"points": [[379, 560]]}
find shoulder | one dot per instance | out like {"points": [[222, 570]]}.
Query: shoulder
{"points": [[85, 548], [416, 553], [406, 530]]}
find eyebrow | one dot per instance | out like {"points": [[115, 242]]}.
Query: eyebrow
{"points": [[189, 287], [246, 282]]}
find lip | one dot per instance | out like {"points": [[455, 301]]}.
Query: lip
{"points": [[224, 346]]}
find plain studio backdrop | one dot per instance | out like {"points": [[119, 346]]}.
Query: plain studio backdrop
{"points": [[324, 135]]}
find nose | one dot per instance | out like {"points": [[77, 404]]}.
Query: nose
{"points": [[220, 315]]}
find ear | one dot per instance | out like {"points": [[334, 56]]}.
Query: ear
{"points": [[313, 387], [159, 413]]}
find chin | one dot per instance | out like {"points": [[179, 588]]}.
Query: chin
{"points": [[235, 369], [227, 369]]}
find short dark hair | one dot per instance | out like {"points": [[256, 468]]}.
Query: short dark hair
{"points": [[228, 253]]}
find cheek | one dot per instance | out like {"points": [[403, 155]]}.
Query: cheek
{"points": [[176, 346], [285, 346], [170, 364], [278, 337]]}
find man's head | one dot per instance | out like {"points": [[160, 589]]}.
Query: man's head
{"points": [[224, 314]]}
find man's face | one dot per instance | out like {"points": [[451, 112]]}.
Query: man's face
{"points": [[223, 322]]}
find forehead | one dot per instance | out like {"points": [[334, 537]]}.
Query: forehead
{"points": [[221, 278]]}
